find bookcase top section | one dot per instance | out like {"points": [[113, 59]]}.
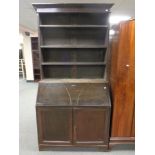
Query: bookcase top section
{"points": [[72, 7]]}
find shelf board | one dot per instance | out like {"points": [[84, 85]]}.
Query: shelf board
{"points": [[73, 46], [36, 68], [76, 80], [73, 63], [35, 50], [72, 10], [73, 26], [34, 42], [36, 74]]}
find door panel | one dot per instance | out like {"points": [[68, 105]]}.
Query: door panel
{"points": [[54, 125], [122, 79], [91, 126]]}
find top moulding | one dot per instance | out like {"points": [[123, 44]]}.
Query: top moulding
{"points": [[71, 7]]}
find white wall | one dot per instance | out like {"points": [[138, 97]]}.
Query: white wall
{"points": [[28, 57]]}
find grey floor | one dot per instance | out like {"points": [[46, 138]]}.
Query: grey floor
{"points": [[28, 132]]}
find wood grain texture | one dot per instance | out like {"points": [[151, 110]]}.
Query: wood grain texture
{"points": [[121, 140], [91, 126], [73, 94], [133, 125], [122, 79], [54, 125]]}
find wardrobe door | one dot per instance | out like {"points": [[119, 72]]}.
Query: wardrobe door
{"points": [[122, 81], [54, 125]]}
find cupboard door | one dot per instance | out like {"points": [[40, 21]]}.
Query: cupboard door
{"points": [[122, 79], [54, 125], [91, 126]]}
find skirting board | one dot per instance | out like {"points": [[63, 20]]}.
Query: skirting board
{"points": [[29, 80], [121, 140]]}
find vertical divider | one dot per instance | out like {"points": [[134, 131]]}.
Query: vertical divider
{"points": [[106, 75], [39, 44]]}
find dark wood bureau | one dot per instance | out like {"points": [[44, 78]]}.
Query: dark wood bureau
{"points": [[73, 102], [73, 114]]}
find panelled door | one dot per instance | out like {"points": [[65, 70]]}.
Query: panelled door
{"points": [[90, 126], [54, 125]]}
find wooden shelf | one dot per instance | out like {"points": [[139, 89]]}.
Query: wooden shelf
{"points": [[35, 50], [73, 26], [73, 63], [36, 74], [72, 10], [73, 46]]}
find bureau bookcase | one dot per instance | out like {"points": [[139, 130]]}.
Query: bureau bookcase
{"points": [[73, 102]]}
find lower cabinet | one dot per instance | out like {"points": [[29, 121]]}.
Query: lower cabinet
{"points": [[72, 126]]}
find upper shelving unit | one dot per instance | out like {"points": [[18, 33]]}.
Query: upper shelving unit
{"points": [[73, 40]]}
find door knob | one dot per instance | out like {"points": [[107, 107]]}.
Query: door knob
{"points": [[127, 65]]}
